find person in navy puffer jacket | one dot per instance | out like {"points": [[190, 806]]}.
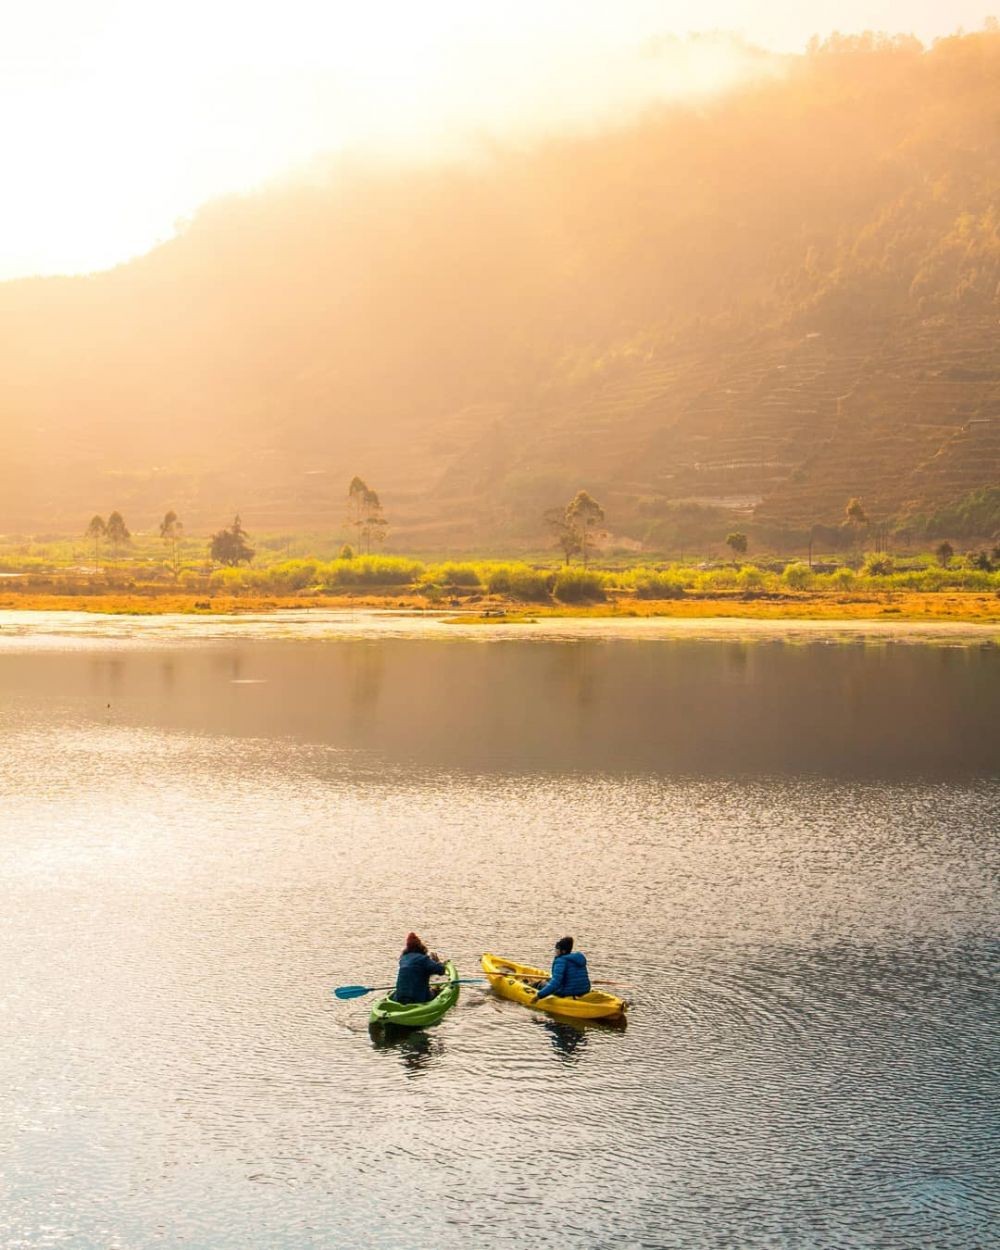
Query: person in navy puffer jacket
{"points": [[416, 968], [569, 972]]}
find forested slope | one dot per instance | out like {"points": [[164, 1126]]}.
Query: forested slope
{"points": [[769, 303]]}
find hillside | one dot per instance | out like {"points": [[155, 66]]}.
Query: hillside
{"points": [[766, 305]]}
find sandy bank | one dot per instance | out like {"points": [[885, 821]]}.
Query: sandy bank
{"points": [[35, 630], [968, 606]]}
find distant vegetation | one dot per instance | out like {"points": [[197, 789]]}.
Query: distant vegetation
{"points": [[171, 529], [576, 527], [365, 515], [231, 546], [221, 565], [972, 516], [55, 566]]}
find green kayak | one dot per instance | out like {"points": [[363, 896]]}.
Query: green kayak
{"points": [[419, 1015]]}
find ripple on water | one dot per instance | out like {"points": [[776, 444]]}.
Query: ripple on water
{"points": [[809, 1061]]}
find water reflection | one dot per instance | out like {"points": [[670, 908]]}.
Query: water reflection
{"points": [[684, 708], [568, 1040], [366, 678], [738, 658], [578, 677], [168, 673], [417, 1048]]}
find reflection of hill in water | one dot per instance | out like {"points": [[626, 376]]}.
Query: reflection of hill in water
{"points": [[685, 707]]}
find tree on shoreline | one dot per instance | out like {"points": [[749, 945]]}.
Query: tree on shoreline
{"points": [[118, 533], [231, 546], [564, 533], [375, 525], [355, 505], [737, 544], [585, 514], [856, 520], [170, 531], [95, 531], [365, 514], [575, 526]]}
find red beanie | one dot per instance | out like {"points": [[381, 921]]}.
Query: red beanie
{"points": [[413, 943]]}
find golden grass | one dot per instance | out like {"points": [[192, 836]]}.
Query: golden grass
{"points": [[198, 605], [974, 606], [906, 606]]}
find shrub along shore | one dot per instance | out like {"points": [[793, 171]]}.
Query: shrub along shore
{"points": [[483, 588]]}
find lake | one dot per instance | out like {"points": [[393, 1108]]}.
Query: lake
{"points": [[783, 840]]}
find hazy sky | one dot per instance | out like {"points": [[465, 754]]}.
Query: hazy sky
{"points": [[122, 116]]}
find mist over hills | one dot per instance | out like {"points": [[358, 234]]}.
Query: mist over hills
{"points": [[764, 304]]}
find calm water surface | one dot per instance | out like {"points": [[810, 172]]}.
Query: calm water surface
{"points": [[787, 844]]}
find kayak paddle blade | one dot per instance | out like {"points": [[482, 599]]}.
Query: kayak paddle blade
{"points": [[351, 991]]}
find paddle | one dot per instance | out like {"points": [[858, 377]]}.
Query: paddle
{"points": [[542, 980], [358, 991]]}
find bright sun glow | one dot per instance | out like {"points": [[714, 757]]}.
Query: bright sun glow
{"points": [[123, 116]]}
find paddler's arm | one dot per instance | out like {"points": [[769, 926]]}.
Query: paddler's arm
{"points": [[554, 984]]}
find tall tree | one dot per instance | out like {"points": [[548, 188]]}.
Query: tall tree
{"points": [[365, 514], [375, 525], [95, 531], [170, 531], [563, 532], [231, 546], [856, 520], [118, 533], [575, 526], [356, 494], [737, 544], [584, 514]]}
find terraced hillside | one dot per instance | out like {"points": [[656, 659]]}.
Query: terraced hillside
{"points": [[764, 307], [780, 430]]}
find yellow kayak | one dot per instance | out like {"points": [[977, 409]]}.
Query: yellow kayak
{"points": [[519, 982]]}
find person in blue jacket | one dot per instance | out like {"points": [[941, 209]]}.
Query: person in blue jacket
{"points": [[416, 968], [569, 972]]}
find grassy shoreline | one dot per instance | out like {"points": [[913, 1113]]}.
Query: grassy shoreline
{"points": [[953, 605]]}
